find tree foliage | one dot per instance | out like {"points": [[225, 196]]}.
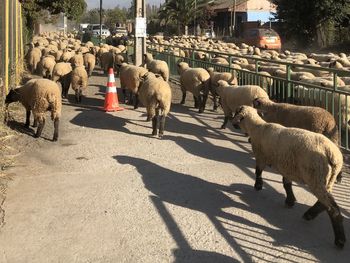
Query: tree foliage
{"points": [[36, 10], [183, 12], [304, 19]]}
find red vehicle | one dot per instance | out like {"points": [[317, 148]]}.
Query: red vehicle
{"points": [[264, 38]]}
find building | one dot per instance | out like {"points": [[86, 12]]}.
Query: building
{"points": [[229, 16]]}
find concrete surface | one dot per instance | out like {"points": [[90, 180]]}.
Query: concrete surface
{"points": [[109, 192]]}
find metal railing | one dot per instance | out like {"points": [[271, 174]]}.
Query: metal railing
{"points": [[334, 99]]}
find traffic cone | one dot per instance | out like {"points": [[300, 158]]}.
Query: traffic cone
{"points": [[111, 99]]}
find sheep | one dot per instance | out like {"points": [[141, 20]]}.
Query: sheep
{"points": [[196, 81], [33, 58], [39, 96], [232, 97], [130, 77], [155, 94], [47, 64], [157, 66], [313, 119], [298, 155], [62, 73], [77, 60], [215, 77], [110, 60], [89, 62], [79, 81]]}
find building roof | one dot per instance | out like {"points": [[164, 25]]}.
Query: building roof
{"points": [[243, 5]]}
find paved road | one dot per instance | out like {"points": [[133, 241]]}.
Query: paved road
{"points": [[109, 192]]}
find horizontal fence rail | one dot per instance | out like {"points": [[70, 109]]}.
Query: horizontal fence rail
{"points": [[334, 99]]}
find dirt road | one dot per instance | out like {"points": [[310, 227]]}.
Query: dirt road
{"points": [[109, 192]]}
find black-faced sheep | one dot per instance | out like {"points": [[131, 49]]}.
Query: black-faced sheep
{"points": [[39, 96], [300, 156]]}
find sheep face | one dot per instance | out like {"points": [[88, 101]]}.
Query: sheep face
{"points": [[241, 113], [13, 96], [258, 103]]}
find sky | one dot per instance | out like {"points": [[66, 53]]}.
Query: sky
{"points": [[113, 3]]}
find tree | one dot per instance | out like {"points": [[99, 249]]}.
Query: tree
{"points": [[33, 10], [307, 20], [183, 12]]}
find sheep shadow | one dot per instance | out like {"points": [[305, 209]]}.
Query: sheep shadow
{"points": [[86, 101], [19, 127], [284, 226]]}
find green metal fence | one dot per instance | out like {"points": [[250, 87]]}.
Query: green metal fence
{"points": [[282, 89]]}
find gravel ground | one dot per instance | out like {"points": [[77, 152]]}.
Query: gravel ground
{"points": [[109, 192]]}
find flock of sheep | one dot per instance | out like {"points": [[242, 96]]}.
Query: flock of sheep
{"points": [[305, 149]]}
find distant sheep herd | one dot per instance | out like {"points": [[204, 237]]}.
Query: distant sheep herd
{"points": [[304, 150]]}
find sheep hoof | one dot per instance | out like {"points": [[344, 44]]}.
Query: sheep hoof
{"points": [[236, 126], [290, 202], [258, 186], [200, 110], [308, 216], [249, 140], [340, 242], [36, 136], [26, 125], [223, 127]]}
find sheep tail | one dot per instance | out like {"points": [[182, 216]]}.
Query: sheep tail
{"points": [[335, 164]]}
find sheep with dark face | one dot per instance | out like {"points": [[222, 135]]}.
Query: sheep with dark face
{"points": [[300, 156], [39, 96]]}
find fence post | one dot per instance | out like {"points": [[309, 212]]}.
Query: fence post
{"points": [[6, 63], [290, 93]]}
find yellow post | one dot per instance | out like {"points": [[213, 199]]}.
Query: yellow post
{"points": [[7, 25], [17, 43], [21, 33]]}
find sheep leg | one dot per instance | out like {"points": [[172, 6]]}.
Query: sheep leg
{"points": [[196, 103], [287, 185], [136, 102], [203, 101], [183, 97], [258, 178], [154, 125], [27, 119], [35, 124], [55, 133], [314, 211], [226, 119], [40, 127], [162, 125], [215, 107], [337, 223]]}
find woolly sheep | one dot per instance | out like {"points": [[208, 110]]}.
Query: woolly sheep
{"points": [[77, 60], [157, 66], [231, 97], [196, 81], [39, 96], [110, 60], [155, 94], [89, 62], [130, 77], [33, 58], [47, 64], [298, 155], [79, 81], [215, 77], [62, 73]]}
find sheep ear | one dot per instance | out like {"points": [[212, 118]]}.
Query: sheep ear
{"points": [[256, 102]]}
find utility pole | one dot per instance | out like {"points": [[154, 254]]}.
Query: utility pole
{"points": [[100, 21], [140, 31]]}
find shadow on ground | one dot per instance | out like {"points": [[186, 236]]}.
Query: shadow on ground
{"points": [[287, 230]]}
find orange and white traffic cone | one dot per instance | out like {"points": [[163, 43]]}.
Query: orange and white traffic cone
{"points": [[111, 99]]}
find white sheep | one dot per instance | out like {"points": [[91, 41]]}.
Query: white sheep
{"points": [[62, 73], [79, 82], [215, 77], [89, 63], [33, 57], [196, 81], [155, 94], [130, 77], [300, 156], [157, 66], [232, 97], [39, 96]]}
